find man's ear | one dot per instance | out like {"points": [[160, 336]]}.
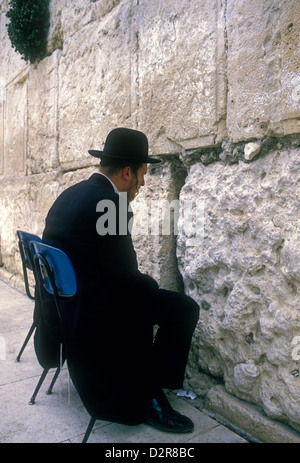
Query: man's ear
{"points": [[126, 172]]}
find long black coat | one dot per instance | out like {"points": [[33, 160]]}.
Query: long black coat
{"points": [[107, 325]]}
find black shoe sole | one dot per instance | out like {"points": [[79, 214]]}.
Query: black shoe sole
{"points": [[171, 429]]}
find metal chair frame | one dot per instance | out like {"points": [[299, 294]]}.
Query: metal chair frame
{"points": [[89, 430], [26, 252], [44, 270], [49, 278], [27, 257], [33, 260]]}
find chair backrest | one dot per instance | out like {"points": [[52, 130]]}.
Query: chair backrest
{"points": [[56, 275], [55, 269], [27, 255]]}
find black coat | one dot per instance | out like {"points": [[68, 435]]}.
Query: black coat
{"points": [[107, 326]]}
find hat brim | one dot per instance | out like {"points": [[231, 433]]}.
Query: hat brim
{"points": [[101, 154]]}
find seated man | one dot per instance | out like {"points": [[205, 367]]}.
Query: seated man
{"points": [[117, 368]]}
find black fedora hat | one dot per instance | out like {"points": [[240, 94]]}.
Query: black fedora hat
{"points": [[125, 145]]}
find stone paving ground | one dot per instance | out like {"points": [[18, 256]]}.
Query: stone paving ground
{"points": [[61, 417]]}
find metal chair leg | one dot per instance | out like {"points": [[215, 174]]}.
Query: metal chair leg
{"points": [[32, 328], [89, 430], [49, 391], [41, 380]]}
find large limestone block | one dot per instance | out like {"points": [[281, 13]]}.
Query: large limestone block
{"points": [[244, 273], [42, 116], [13, 133], [96, 80], [13, 99], [181, 76], [263, 68]]}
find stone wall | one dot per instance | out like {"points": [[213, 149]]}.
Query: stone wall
{"points": [[216, 87]]}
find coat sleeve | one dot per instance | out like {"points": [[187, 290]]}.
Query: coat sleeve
{"points": [[119, 260]]}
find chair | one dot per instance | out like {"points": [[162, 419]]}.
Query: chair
{"points": [[55, 275], [26, 252]]}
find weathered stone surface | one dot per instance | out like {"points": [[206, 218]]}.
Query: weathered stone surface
{"points": [[14, 116], [11, 61], [23, 203], [182, 91], [247, 419], [68, 18], [42, 115], [96, 81], [154, 233], [245, 276], [251, 150], [263, 68]]}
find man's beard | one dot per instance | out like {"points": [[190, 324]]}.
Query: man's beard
{"points": [[133, 191]]}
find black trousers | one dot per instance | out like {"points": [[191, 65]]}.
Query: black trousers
{"points": [[176, 316], [124, 365]]}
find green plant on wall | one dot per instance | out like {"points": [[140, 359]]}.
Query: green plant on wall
{"points": [[28, 27]]}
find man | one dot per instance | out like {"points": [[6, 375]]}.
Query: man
{"points": [[117, 369]]}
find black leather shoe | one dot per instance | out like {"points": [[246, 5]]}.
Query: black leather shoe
{"points": [[165, 418]]}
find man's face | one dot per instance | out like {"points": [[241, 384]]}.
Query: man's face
{"points": [[136, 181]]}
